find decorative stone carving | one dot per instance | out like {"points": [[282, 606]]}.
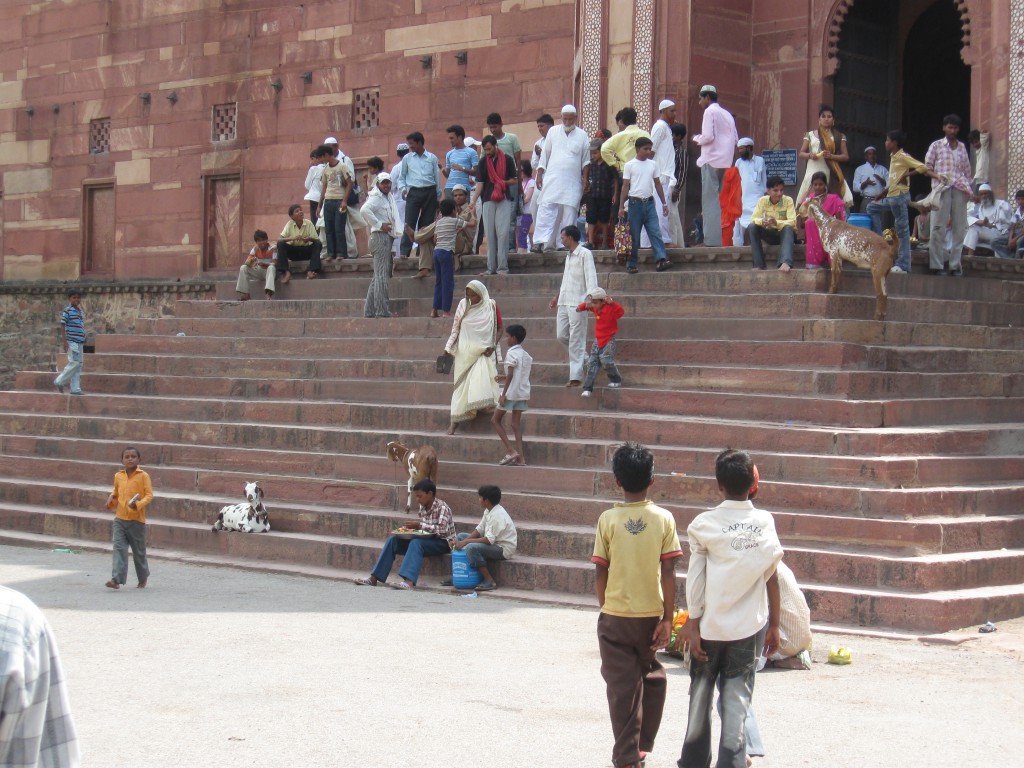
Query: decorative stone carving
{"points": [[1015, 153], [643, 60], [592, 43]]}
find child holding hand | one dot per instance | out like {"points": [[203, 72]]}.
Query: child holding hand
{"points": [[607, 311], [133, 490], [515, 395]]}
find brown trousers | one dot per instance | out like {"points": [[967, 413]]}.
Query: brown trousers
{"points": [[636, 684]]}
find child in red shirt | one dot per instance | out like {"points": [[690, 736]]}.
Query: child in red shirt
{"points": [[602, 353]]}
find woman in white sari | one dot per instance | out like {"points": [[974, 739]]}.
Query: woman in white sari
{"points": [[476, 330]]}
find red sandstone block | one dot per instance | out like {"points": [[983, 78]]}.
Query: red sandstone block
{"points": [[331, 14], [511, 27], [371, 10]]}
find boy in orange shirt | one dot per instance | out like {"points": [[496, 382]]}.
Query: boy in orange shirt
{"points": [[132, 493], [607, 311], [635, 552]]}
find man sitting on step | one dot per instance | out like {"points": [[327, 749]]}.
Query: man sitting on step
{"points": [[298, 242], [259, 266], [433, 535]]}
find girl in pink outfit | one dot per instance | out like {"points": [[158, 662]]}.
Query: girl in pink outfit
{"points": [[832, 204]]}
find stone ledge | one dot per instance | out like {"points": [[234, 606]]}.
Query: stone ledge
{"points": [[36, 288]]}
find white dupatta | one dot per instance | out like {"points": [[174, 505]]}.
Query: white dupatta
{"points": [[473, 332]]}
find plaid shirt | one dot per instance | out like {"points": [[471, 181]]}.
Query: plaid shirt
{"points": [[954, 164], [438, 519], [36, 728], [602, 180]]}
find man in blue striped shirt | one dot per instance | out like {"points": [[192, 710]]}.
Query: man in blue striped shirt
{"points": [[420, 181], [72, 330]]}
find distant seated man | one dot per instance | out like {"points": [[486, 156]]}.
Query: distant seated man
{"points": [[299, 242], [259, 265], [871, 179], [1011, 245], [988, 220], [773, 221]]}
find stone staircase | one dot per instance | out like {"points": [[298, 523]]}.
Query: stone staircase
{"points": [[890, 453]]}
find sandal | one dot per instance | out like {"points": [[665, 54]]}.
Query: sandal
{"points": [[142, 584], [366, 582], [664, 265], [112, 584], [510, 458], [486, 586], [402, 585]]}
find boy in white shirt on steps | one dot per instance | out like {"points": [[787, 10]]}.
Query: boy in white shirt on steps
{"points": [[641, 187], [732, 592]]}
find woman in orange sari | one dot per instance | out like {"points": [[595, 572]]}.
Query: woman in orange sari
{"points": [[824, 149]]}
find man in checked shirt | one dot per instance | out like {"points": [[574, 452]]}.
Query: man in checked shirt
{"points": [[36, 728], [948, 158]]}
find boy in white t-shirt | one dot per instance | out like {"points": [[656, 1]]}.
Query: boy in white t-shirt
{"points": [[640, 182], [732, 593], [494, 537], [515, 395]]}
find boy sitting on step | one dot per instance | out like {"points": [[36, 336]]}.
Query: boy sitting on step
{"points": [[259, 265], [607, 311], [494, 537], [635, 553]]}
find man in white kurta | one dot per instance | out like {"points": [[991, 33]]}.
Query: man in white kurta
{"points": [[753, 179], [559, 177], [665, 160]]}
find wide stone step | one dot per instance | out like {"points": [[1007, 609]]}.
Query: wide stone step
{"points": [[629, 399], [589, 432], [822, 354], [659, 302], [636, 328], [936, 611], [276, 377], [572, 503], [473, 454]]}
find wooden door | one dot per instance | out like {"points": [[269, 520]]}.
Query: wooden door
{"points": [[222, 225], [866, 93], [98, 230]]}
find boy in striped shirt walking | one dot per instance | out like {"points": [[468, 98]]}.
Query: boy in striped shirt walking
{"points": [[72, 329]]}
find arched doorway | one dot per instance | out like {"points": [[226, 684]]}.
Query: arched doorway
{"points": [[900, 66]]}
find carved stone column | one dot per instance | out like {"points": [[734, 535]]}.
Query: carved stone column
{"points": [[1015, 153], [593, 53], [643, 61]]}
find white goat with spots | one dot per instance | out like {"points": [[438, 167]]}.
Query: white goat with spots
{"points": [[858, 246]]}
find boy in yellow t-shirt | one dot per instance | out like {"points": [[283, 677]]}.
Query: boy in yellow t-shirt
{"points": [[133, 490], [635, 551]]}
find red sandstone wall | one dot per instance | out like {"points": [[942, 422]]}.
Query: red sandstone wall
{"points": [[73, 61]]}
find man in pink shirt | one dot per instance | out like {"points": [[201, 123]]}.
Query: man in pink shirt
{"points": [[717, 140]]}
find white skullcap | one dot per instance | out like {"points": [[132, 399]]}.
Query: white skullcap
{"points": [[708, 89], [984, 187], [568, 109], [403, 147], [469, 141], [330, 140], [460, 187], [746, 141], [597, 293], [383, 176], [665, 104], [869, 149]]}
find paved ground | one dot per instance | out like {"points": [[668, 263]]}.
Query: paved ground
{"points": [[220, 667]]}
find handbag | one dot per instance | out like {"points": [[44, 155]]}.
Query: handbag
{"points": [[623, 241], [444, 364]]}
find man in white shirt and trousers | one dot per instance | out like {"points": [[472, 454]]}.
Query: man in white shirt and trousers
{"points": [[402, 150], [753, 180], [665, 159], [559, 177]]}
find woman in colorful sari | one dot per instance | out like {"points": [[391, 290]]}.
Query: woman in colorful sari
{"points": [[476, 331], [824, 149], [831, 204]]}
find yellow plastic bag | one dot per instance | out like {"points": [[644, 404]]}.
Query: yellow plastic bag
{"points": [[840, 655]]}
